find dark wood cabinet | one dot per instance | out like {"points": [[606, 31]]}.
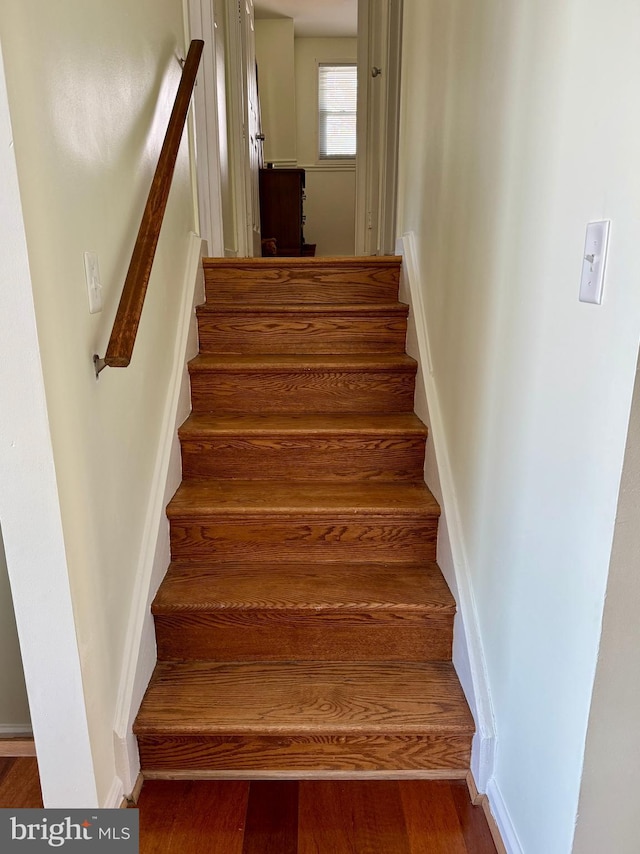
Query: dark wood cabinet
{"points": [[281, 214]]}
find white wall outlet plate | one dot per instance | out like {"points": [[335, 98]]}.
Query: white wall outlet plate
{"points": [[94, 287], [594, 261]]}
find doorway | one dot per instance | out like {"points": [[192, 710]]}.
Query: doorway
{"points": [[295, 47], [346, 205]]}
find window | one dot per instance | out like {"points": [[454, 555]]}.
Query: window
{"points": [[337, 101]]}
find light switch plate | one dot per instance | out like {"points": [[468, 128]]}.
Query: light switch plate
{"points": [[594, 261], [94, 287]]}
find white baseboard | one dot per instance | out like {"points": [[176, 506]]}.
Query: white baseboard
{"points": [[481, 800], [116, 795], [468, 655], [140, 648], [502, 818], [10, 730]]}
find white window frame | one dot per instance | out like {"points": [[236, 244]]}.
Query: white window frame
{"points": [[346, 162]]}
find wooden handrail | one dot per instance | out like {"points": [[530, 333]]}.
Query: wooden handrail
{"points": [[125, 325]]}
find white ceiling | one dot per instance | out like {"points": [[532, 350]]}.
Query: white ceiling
{"points": [[314, 18]]}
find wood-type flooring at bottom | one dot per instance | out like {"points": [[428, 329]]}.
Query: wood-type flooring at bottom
{"points": [[311, 817]]}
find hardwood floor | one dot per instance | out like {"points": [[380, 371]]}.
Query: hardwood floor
{"points": [[19, 783], [311, 817], [289, 816]]}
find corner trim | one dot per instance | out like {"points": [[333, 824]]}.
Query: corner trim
{"points": [[115, 796], [472, 673], [479, 800], [130, 801]]}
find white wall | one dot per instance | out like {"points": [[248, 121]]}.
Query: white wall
{"points": [[14, 706], [512, 139], [276, 81], [30, 517], [330, 187], [330, 209], [608, 809], [90, 90]]}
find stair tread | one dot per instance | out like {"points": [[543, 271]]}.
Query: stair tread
{"points": [[303, 587], [287, 362], [297, 309], [202, 425], [303, 624], [297, 698], [277, 498]]}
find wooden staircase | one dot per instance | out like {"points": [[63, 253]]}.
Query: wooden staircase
{"points": [[303, 627]]}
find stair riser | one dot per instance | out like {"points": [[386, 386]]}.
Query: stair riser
{"points": [[445, 753], [273, 636], [302, 284], [270, 335], [302, 391], [376, 540], [285, 458], [299, 667]]}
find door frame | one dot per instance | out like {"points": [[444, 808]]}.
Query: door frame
{"points": [[379, 46], [244, 204], [202, 25]]}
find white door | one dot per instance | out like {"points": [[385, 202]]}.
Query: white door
{"points": [[379, 55], [207, 107], [243, 130]]}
